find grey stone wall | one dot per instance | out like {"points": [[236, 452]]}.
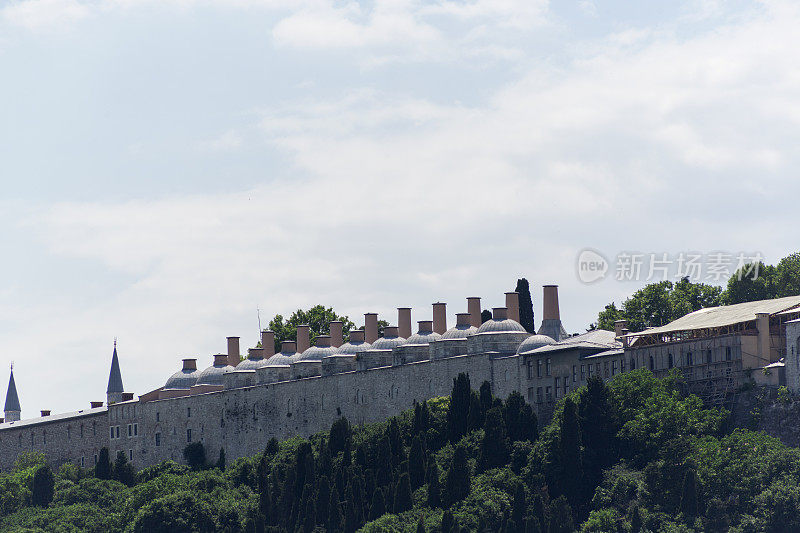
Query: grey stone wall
{"points": [[792, 358]]}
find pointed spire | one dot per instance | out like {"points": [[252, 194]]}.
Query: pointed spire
{"points": [[115, 376], [12, 400]]}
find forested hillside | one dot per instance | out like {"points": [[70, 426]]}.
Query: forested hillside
{"points": [[630, 455]]}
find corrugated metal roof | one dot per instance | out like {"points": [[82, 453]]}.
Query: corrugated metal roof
{"points": [[596, 339], [53, 418], [724, 315]]}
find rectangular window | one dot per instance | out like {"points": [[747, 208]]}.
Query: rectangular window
{"points": [[158, 416], [539, 396], [574, 373], [116, 431], [130, 454], [538, 368], [709, 356], [547, 368], [555, 385], [549, 393], [130, 430], [83, 462], [158, 439], [95, 458], [188, 412], [530, 394], [112, 431], [597, 369], [727, 353], [530, 369], [188, 435], [136, 430], [613, 368], [622, 366], [583, 372], [566, 385]]}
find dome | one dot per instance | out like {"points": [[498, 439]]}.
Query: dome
{"points": [[388, 343], [252, 364], [213, 374], [533, 342], [505, 325], [315, 353], [182, 379], [280, 359], [459, 332]]}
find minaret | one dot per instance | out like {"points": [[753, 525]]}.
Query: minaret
{"points": [[12, 408], [115, 388]]}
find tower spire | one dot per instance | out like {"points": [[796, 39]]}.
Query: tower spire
{"points": [[12, 409], [115, 388]]}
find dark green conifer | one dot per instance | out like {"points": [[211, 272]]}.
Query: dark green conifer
{"points": [[402, 495]]}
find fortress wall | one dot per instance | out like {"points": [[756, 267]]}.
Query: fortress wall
{"points": [[65, 439]]}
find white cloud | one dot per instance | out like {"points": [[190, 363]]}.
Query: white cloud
{"points": [[44, 14]]}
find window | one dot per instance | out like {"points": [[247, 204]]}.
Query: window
{"points": [[117, 431], [539, 397], [530, 393], [689, 359], [95, 458], [605, 369], [597, 369], [81, 430], [188, 435], [130, 430], [566, 385], [130, 454], [529, 366], [728, 353], [547, 368], [709, 356], [670, 361], [652, 363], [158, 416], [188, 412], [549, 393], [591, 369], [538, 368], [112, 431], [633, 363], [622, 365], [574, 373], [83, 462], [558, 389], [158, 439], [136, 430], [613, 368], [583, 372]]}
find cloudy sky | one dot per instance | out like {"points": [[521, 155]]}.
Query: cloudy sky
{"points": [[170, 166]]}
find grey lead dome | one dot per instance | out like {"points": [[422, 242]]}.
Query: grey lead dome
{"points": [[213, 374], [533, 342], [182, 379]]}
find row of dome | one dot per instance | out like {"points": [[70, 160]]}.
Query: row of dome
{"points": [[500, 334]]}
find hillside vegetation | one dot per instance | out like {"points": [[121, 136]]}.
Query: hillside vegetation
{"points": [[630, 455]]}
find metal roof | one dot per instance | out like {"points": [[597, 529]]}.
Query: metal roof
{"points": [[596, 339], [115, 376], [724, 315], [54, 418], [12, 400]]}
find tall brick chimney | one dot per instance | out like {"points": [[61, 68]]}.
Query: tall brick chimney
{"points": [[404, 322], [335, 329], [499, 313], [439, 317], [551, 316], [268, 343], [474, 310], [512, 304], [303, 338], [233, 351], [370, 327]]}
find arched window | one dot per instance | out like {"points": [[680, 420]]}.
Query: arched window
{"points": [[652, 363]]}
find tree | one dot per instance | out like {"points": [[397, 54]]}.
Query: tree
{"points": [[341, 436], [318, 318], [521, 421], [434, 490], [378, 506], [486, 316], [123, 470], [459, 479], [102, 470], [323, 500], [788, 276], [494, 445], [519, 506], [458, 411], [42, 486], [596, 429], [402, 495], [448, 522], [335, 521], [421, 524], [570, 454], [526, 318], [195, 455], [475, 413], [221, 460], [689, 495], [416, 463]]}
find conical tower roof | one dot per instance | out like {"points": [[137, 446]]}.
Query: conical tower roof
{"points": [[12, 400], [115, 376]]}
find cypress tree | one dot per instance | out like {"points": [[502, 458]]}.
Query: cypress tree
{"points": [[458, 410], [395, 442], [434, 490], [309, 518], [636, 520], [351, 518], [123, 470], [221, 460], [570, 454], [448, 523], [475, 415], [42, 486], [689, 495], [521, 422], [459, 479], [416, 463], [265, 504], [323, 500], [335, 522], [420, 525], [494, 445], [383, 468], [402, 495], [341, 434], [526, 318], [378, 507], [102, 470], [272, 446], [486, 396], [519, 505], [596, 430], [539, 512]]}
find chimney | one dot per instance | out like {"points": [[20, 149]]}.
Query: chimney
{"points": [[370, 327], [499, 313], [425, 326], [463, 320], [619, 325], [288, 347], [357, 335], [512, 303], [233, 351], [335, 330], [189, 365], [390, 331], [474, 310], [268, 343], [323, 341], [404, 322], [95, 405], [439, 317], [762, 324], [222, 359], [45, 412], [550, 306], [127, 396], [254, 354], [303, 338], [625, 341]]}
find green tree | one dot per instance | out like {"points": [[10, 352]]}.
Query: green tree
{"points": [[123, 470], [459, 478], [402, 495], [416, 463], [494, 445], [323, 500], [788, 276], [178, 511], [335, 519], [521, 422], [195, 455], [318, 318], [596, 429], [434, 489], [42, 486], [378, 506], [102, 470], [526, 318], [486, 316], [421, 524], [458, 411], [340, 437], [689, 506], [519, 505], [570, 454], [221, 459]]}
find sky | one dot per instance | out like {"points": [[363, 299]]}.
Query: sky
{"points": [[168, 168]]}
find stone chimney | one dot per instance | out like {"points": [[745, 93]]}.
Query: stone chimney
{"points": [[390, 331], [323, 341], [45, 412], [463, 320], [425, 326], [499, 313], [439, 317], [625, 340], [95, 405], [303, 338], [619, 325], [370, 327], [288, 347], [764, 344], [189, 365], [474, 310], [512, 304], [222, 359], [551, 316], [234, 356], [335, 329], [404, 322], [357, 335], [268, 343], [254, 354]]}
